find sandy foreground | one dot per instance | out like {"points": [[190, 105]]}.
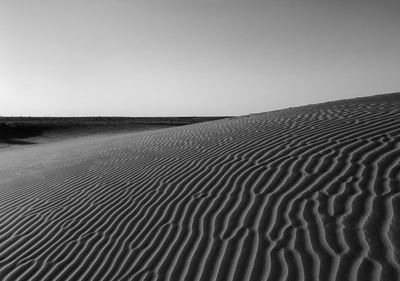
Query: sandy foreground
{"points": [[307, 193]]}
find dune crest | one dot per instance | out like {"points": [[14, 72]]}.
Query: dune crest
{"points": [[307, 193]]}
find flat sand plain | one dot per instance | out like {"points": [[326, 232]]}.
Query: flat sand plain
{"points": [[306, 193]]}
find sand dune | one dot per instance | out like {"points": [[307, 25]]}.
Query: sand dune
{"points": [[307, 193], [38, 130]]}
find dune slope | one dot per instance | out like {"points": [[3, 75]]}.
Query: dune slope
{"points": [[38, 130], [307, 193]]}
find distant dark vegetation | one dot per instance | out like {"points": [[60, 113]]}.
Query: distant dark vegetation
{"points": [[18, 130], [12, 132]]}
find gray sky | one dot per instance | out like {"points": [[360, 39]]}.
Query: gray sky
{"points": [[193, 57]]}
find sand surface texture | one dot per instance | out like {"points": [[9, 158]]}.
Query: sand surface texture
{"points": [[308, 193]]}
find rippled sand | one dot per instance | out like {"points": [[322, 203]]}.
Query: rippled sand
{"points": [[307, 193]]}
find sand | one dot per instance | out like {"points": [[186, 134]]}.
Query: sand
{"points": [[307, 193], [37, 130]]}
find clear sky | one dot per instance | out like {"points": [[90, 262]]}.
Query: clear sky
{"points": [[192, 57]]}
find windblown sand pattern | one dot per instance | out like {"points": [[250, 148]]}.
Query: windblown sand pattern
{"points": [[308, 193]]}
